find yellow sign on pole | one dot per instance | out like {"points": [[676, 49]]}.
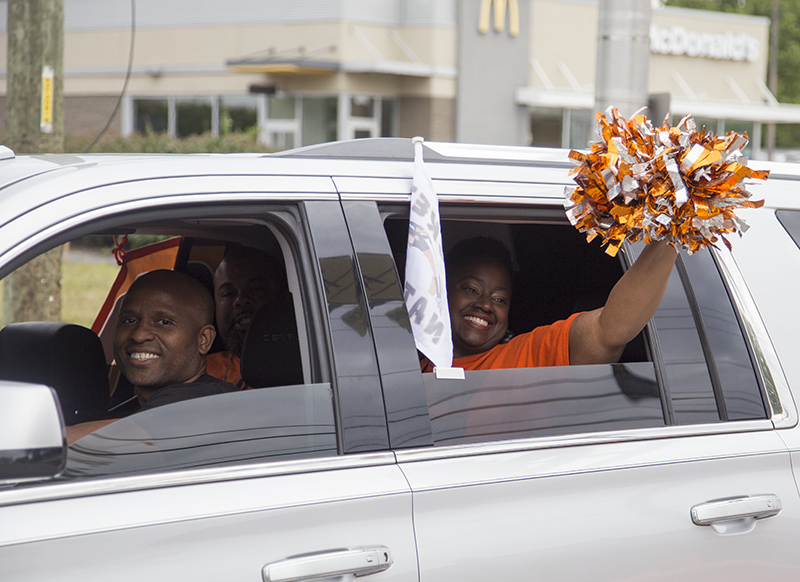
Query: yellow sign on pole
{"points": [[46, 121], [499, 16]]}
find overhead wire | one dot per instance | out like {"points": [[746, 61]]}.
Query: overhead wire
{"points": [[125, 84]]}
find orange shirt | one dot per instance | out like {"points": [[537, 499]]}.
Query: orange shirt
{"points": [[225, 366], [547, 345]]}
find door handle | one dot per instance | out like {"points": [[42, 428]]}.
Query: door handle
{"points": [[736, 514], [350, 562]]}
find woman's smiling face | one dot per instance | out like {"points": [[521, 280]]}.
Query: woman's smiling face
{"points": [[479, 294]]}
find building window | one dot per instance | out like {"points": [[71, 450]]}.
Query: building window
{"points": [[282, 107], [582, 126], [319, 120], [546, 127], [561, 128], [150, 115], [283, 121], [183, 117], [294, 121], [363, 107], [284, 116], [388, 118], [194, 116], [238, 113]]}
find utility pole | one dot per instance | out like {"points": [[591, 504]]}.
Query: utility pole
{"points": [[623, 56], [772, 72], [35, 125]]}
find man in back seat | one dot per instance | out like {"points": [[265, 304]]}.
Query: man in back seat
{"points": [[164, 331], [245, 280]]}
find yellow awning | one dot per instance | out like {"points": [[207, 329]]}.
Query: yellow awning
{"points": [[282, 69]]}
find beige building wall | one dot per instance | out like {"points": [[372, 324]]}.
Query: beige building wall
{"points": [[564, 52], [705, 77], [192, 62], [563, 44]]}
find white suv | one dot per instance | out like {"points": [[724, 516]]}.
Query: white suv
{"points": [[676, 463]]}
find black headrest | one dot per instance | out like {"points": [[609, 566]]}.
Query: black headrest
{"points": [[271, 354], [66, 356]]}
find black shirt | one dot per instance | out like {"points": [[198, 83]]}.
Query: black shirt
{"points": [[205, 385]]}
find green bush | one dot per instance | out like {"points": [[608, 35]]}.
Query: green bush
{"points": [[151, 143], [105, 243]]}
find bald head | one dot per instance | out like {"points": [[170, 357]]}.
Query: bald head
{"points": [[180, 285], [164, 331]]}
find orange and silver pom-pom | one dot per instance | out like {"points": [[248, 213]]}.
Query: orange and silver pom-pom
{"points": [[677, 184]]}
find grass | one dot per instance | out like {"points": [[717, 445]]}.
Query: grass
{"points": [[83, 291]]}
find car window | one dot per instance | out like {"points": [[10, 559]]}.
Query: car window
{"points": [[525, 402], [731, 365], [691, 365], [285, 409], [243, 427], [790, 220]]}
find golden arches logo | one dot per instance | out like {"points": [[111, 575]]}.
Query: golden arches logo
{"points": [[499, 16]]}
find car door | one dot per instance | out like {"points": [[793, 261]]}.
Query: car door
{"points": [[626, 504], [662, 467], [283, 483]]}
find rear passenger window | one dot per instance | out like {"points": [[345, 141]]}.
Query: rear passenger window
{"points": [[691, 365], [790, 219]]}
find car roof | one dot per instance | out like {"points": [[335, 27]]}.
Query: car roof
{"points": [[342, 158], [28, 181]]}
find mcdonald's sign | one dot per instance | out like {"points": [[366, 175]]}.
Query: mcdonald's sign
{"points": [[499, 16]]}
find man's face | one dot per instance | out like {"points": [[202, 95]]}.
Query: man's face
{"points": [[479, 295], [241, 287], [160, 338]]}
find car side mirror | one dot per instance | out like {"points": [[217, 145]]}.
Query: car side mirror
{"points": [[32, 437]]}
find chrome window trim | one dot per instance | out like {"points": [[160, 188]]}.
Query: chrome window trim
{"points": [[528, 190], [91, 487], [531, 444], [500, 152], [28, 196], [456, 182], [782, 406], [463, 198], [59, 225]]}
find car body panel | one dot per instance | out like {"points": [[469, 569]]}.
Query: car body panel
{"points": [[603, 512], [224, 530]]}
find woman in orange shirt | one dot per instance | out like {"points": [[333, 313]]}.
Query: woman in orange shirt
{"points": [[479, 295]]}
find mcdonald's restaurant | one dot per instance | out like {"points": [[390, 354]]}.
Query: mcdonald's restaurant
{"points": [[300, 72]]}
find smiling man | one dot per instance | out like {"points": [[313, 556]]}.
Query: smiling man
{"points": [[164, 331]]}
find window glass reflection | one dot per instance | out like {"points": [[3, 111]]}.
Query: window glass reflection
{"points": [[268, 424], [731, 359], [530, 402]]}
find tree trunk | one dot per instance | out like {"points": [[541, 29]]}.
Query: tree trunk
{"points": [[35, 125]]}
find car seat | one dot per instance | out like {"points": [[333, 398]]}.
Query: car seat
{"points": [[271, 354], [65, 356]]}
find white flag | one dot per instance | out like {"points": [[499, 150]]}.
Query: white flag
{"points": [[425, 289]]}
